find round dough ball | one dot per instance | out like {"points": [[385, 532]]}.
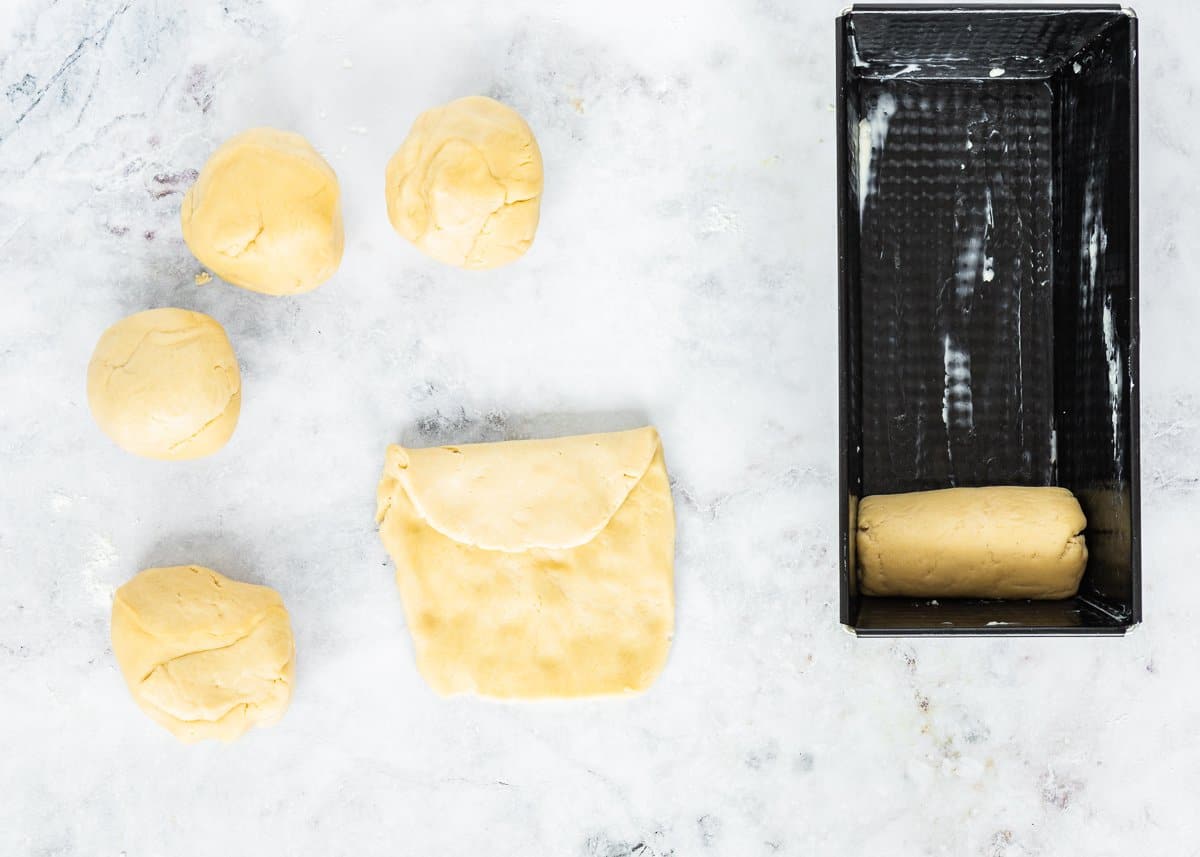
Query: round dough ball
{"points": [[265, 214], [164, 383], [466, 186], [203, 655]]}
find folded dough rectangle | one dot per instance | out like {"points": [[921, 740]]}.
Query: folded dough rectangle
{"points": [[535, 568]]}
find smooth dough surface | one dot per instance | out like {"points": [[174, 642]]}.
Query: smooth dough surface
{"points": [[265, 214], [466, 185], [997, 542], [534, 569], [164, 383], [203, 655]]}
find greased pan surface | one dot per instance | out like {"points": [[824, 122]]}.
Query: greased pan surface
{"points": [[988, 238]]}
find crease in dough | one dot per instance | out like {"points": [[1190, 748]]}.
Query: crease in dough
{"points": [[465, 187], [203, 655], [164, 383], [265, 214]]}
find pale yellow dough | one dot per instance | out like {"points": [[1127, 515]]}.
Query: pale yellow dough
{"points": [[203, 655], [265, 214], [466, 185], [534, 569], [997, 542], [164, 383]]}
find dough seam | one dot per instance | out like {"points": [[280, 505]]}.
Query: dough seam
{"points": [[253, 187], [209, 423], [262, 227], [203, 655], [113, 368], [132, 616], [421, 513], [246, 706], [483, 230], [424, 189], [1074, 540]]}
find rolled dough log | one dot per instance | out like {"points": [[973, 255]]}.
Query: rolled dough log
{"points": [[998, 542]]}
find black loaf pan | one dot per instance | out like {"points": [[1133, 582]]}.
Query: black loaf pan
{"points": [[987, 214]]}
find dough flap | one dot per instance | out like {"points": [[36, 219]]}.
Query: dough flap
{"points": [[554, 494]]}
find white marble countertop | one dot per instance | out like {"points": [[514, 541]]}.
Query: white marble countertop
{"points": [[684, 274]]}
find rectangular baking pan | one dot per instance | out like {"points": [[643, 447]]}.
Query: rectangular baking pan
{"points": [[987, 258]]}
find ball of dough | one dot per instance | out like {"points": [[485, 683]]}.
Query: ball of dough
{"points": [[164, 383], [265, 214], [203, 655], [466, 186]]}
